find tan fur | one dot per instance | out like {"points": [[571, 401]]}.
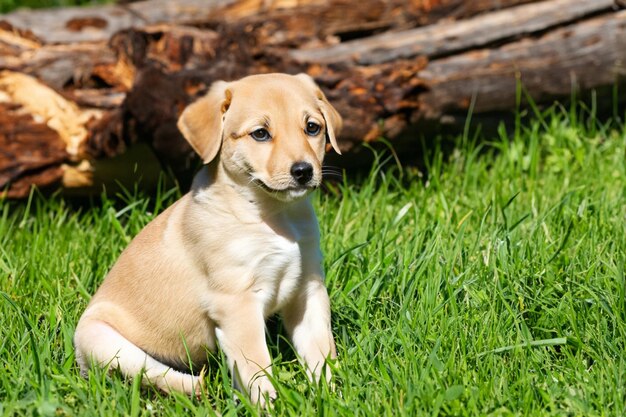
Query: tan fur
{"points": [[241, 246]]}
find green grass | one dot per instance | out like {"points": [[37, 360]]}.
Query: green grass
{"points": [[492, 284], [9, 5]]}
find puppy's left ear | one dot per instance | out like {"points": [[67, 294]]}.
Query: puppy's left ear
{"points": [[332, 118], [202, 122]]}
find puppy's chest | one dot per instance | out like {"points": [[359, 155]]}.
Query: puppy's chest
{"points": [[272, 268]]}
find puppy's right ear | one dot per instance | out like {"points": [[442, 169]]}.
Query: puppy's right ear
{"points": [[202, 122]]}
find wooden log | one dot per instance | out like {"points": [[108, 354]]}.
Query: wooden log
{"points": [[98, 23], [42, 136], [385, 99], [40, 165], [320, 23], [390, 67], [588, 55], [452, 37], [61, 115]]}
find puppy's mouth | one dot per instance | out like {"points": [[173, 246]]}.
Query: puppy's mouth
{"points": [[287, 193], [300, 189]]}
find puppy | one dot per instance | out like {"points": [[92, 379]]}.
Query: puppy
{"points": [[242, 245]]}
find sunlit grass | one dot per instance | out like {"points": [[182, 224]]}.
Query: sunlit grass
{"points": [[492, 283]]}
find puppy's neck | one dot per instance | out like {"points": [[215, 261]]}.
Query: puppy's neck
{"points": [[216, 188]]}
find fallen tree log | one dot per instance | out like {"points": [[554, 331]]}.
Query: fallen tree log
{"points": [[447, 38], [572, 59], [391, 68]]}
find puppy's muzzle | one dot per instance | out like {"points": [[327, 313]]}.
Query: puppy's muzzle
{"points": [[302, 172]]}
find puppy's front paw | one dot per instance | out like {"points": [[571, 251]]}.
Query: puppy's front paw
{"points": [[316, 369], [262, 391]]}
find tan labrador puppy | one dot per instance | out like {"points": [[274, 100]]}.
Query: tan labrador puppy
{"points": [[241, 246]]}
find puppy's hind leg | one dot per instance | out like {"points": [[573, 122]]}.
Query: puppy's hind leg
{"points": [[100, 344]]}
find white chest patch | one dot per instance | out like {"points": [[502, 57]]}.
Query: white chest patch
{"points": [[271, 268], [278, 274]]}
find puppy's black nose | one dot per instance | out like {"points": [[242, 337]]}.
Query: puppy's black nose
{"points": [[302, 172]]}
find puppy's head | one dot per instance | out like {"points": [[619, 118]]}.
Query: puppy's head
{"points": [[269, 130]]}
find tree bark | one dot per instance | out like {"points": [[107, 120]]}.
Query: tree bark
{"points": [[448, 38], [82, 91]]}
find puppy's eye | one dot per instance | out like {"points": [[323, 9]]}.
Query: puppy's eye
{"points": [[312, 129], [261, 135]]}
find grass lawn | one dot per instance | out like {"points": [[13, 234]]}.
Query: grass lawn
{"points": [[492, 285]]}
